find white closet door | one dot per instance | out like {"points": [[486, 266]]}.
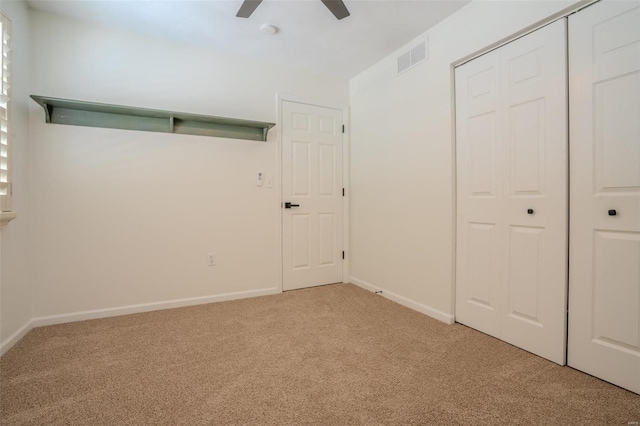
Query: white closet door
{"points": [[512, 157], [479, 164], [535, 201], [604, 311]]}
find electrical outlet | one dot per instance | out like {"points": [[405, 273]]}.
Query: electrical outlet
{"points": [[211, 257]]}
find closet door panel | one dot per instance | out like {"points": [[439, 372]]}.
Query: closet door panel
{"points": [[479, 193], [604, 290], [534, 280], [511, 138]]}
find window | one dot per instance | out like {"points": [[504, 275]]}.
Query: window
{"points": [[5, 115]]}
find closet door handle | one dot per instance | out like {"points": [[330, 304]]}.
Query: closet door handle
{"points": [[529, 211], [613, 213]]}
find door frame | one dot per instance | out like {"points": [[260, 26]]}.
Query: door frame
{"points": [[574, 8], [280, 98]]}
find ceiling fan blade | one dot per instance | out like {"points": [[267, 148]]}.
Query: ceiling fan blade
{"points": [[337, 7], [247, 8]]}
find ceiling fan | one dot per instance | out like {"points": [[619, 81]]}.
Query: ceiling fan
{"points": [[336, 7]]}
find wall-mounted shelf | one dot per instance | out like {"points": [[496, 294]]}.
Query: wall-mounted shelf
{"points": [[80, 113]]}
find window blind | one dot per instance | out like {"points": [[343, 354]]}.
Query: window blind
{"points": [[5, 111]]}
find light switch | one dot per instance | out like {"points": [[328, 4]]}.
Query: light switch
{"points": [[269, 183]]}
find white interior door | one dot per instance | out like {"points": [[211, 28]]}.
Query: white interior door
{"points": [[604, 291], [511, 115], [312, 184]]}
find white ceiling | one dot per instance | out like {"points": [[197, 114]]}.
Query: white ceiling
{"points": [[310, 36]]}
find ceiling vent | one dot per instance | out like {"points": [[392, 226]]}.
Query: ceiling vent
{"points": [[412, 58]]}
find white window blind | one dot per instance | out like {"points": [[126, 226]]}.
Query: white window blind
{"points": [[5, 111]]}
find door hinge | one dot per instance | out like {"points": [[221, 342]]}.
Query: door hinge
{"points": [[343, 255], [343, 192], [343, 128]]}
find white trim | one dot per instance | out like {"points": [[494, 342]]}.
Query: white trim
{"points": [[130, 309], [15, 337], [346, 184], [280, 98], [148, 307], [309, 101], [424, 309], [454, 189], [531, 28], [278, 186]]}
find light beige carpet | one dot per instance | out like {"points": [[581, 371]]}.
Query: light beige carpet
{"points": [[332, 355]]}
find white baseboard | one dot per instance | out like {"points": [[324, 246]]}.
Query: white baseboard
{"points": [[15, 337], [427, 310], [148, 307], [130, 309]]}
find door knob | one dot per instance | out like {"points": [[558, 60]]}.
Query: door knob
{"points": [[288, 205], [529, 211], [612, 213]]}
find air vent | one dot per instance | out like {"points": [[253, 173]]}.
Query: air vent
{"points": [[412, 57], [404, 62], [418, 53]]}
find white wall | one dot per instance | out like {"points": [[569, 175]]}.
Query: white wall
{"points": [[15, 287], [125, 217], [402, 156]]}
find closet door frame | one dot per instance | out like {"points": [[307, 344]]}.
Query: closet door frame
{"points": [[498, 44], [555, 17]]}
